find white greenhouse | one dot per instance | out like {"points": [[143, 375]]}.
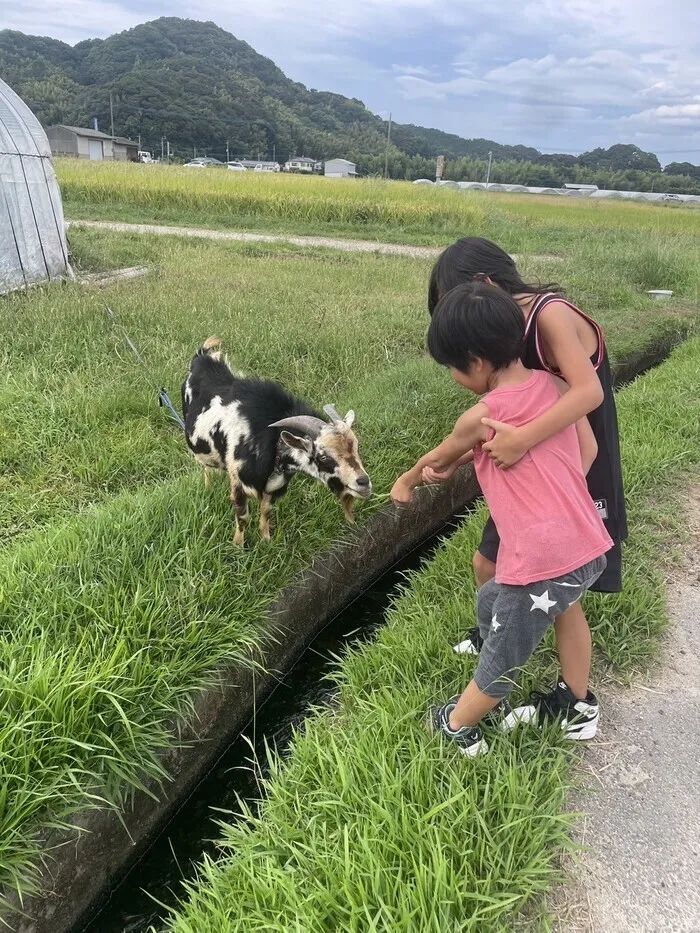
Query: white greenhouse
{"points": [[32, 232]]}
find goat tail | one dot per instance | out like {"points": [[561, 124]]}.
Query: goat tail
{"points": [[211, 343]]}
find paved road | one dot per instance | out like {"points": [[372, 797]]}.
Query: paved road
{"points": [[642, 874]]}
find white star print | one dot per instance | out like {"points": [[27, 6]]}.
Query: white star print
{"points": [[543, 602], [495, 624]]}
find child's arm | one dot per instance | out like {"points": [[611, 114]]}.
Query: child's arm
{"points": [[467, 432], [585, 392], [587, 443]]}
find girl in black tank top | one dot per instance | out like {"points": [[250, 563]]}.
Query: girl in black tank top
{"points": [[475, 258]]}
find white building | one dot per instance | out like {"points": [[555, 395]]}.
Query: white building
{"points": [[32, 232], [300, 164], [339, 168]]}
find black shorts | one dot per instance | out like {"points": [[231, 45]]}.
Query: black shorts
{"points": [[610, 580]]}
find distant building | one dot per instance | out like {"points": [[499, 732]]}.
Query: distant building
{"points": [[300, 164], [339, 168], [84, 143], [253, 165]]}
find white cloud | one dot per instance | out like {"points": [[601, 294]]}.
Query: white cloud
{"points": [[570, 74]]}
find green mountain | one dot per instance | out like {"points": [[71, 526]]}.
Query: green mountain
{"points": [[197, 86]]}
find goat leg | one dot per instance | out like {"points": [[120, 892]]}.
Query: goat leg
{"points": [[265, 513], [242, 512]]}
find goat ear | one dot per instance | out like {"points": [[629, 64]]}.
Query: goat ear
{"points": [[349, 419], [298, 443]]}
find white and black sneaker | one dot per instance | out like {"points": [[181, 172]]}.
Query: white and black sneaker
{"points": [[472, 644], [578, 718], [469, 739]]}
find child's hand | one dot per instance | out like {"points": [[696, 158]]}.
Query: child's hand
{"points": [[430, 476], [506, 447], [401, 493]]}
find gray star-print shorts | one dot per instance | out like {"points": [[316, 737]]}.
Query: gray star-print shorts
{"points": [[513, 621]]}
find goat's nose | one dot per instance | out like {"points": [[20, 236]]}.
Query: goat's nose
{"points": [[363, 482]]}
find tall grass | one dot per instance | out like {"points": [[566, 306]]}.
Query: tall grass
{"points": [[120, 589], [372, 825]]}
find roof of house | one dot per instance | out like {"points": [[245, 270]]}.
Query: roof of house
{"points": [[345, 161], [93, 134], [301, 159], [81, 131]]}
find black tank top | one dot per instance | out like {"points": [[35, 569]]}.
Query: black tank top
{"points": [[605, 476]]}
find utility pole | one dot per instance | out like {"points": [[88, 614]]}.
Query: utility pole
{"points": [[386, 153], [488, 171], [228, 158], [274, 158], [162, 148], [168, 143], [139, 140], [194, 152], [111, 113]]}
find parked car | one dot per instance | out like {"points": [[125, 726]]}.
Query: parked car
{"points": [[235, 166], [267, 167], [671, 197], [204, 163]]}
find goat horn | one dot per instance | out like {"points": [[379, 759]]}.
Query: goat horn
{"points": [[332, 413], [304, 424]]}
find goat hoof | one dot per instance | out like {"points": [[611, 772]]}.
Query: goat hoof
{"points": [[238, 539]]}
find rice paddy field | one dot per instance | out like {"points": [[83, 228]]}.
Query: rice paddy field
{"points": [[121, 592], [397, 212]]}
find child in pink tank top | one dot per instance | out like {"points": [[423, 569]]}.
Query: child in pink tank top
{"points": [[553, 542]]}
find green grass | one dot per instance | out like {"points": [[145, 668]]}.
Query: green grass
{"points": [[366, 209], [120, 589], [371, 825]]}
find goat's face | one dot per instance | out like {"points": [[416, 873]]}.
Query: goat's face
{"points": [[331, 456]]}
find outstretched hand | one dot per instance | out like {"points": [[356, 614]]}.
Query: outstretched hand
{"points": [[506, 447]]}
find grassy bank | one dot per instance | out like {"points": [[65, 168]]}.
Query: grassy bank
{"points": [[368, 209], [120, 589], [370, 825]]}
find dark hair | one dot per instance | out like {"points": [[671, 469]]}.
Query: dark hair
{"points": [[476, 321], [472, 257]]}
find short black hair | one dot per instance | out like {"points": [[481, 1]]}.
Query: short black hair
{"points": [[476, 321]]}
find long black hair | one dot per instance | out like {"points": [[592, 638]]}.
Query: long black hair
{"points": [[472, 258]]}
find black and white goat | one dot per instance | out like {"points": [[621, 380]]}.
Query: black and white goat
{"points": [[261, 435]]}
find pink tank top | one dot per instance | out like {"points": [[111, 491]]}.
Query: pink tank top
{"points": [[542, 509]]}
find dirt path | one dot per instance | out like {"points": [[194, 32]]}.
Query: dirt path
{"points": [[349, 246], [642, 873]]}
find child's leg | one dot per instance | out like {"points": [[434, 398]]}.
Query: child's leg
{"points": [[574, 646], [484, 569], [472, 707], [511, 633]]}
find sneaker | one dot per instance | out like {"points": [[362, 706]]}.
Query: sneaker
{"points": [[578, 718], [469, 739], [472, 644], [496, 719]]}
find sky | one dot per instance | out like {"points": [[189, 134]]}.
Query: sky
{"points": [[561, 75]]}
